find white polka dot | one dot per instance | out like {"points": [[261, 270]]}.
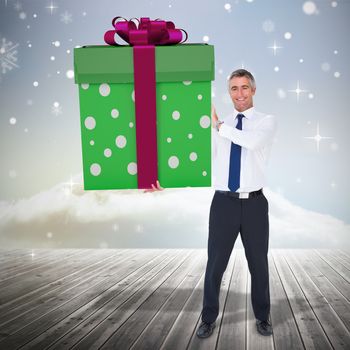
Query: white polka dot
{"points": [[200, 97], [193, 156], [115, 113], [92, 142], [205, 38], [176, 115], [164, 97], [276, 69], [90, 123], [95, 169], [120, 141], [132, 168], [173, 162], [104, 90], [204, 122], [56, 43], [204, 173], [13, 121], [131, 124], [56, 104], [107, 152], [168, 139], [85, 86], [36, 84], [187, 82], [133, 95], [189, 136], [311, 96], [336, 74]]}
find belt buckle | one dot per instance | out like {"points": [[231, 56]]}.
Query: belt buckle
{"points": [[243, 195]]}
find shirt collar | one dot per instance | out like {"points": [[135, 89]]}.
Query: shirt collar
{"points": [[248, 113]]}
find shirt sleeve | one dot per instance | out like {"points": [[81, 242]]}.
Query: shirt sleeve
{"points": [[214, 146], [254, 139]]}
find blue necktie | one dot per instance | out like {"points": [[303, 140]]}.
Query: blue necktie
{"points": [[235, 161]]}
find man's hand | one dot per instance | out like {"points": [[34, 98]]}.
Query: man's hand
{"points": [[154, 189], [214, 116]]}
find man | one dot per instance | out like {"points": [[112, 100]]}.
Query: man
{"points": [[241, 146]]}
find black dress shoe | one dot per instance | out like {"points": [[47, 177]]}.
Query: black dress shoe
{"points": [[264, 327], [205, 329]]}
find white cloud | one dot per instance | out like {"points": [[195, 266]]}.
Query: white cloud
{"points": [[173, 217]]}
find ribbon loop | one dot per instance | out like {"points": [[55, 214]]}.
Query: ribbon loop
{"points": [[146, 32]]}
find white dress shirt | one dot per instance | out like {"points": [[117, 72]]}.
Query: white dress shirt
{"points": [[255, 138]]}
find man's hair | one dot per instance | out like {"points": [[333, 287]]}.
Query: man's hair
{"points": [[238, 73]]}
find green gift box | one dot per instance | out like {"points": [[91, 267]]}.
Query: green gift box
{"points": [[105, 77]]}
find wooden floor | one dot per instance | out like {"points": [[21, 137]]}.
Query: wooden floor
{"points": [[151, 299]]}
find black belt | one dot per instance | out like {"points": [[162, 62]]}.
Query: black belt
{"points": [[242, 195]]}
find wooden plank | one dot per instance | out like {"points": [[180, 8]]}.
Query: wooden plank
{"points": [[30, 256], [233, 326], [75, 325], [44, 299], [337, 280], [93, 332], [136, 306], [339, 257], [196, 343], [285, 331], [126, 335], [150, 302], [21, 267], [335, 329], [73, 300], [338, 302], [157, 329], [255, 341], [334, 263], [311, 331], [345, 255], [7, 255], [30, 282], [182, 330], [342, 254]]}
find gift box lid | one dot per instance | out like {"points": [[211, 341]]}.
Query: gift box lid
{"points": [[114, 64]]}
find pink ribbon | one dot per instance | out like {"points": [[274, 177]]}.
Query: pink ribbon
{"points": [[156, 32], [143, 38]]}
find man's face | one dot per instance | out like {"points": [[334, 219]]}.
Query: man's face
{"points": [[241, 93]]}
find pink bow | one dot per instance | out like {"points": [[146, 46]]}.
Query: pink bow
{"points": [[156, 32]]}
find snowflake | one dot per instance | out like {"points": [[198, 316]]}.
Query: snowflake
{"points": [[8, 55], [66, 17], [56, 109]]}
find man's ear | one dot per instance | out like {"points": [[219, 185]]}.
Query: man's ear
{"points": [[253, 91]]}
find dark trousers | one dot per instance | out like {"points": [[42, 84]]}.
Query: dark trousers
{"points": [[228, 217]]}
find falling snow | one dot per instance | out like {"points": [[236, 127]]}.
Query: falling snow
{"points": [[8, 55], [66, 17]]}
